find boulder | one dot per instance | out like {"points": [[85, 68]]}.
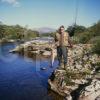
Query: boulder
{"points": [[46, 53], [91, 92]]}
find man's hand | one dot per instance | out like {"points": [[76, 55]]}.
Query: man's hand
{"points": [[71, 46], [56, 44], [69, 41]]}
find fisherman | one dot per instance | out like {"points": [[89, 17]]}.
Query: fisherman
{"points": [[62, 41]]}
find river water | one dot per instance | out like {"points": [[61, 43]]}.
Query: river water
{"points": [[21, 77]]}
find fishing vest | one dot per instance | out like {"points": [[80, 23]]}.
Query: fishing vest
{"points": [[62, 39]]}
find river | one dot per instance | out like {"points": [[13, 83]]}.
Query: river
{"points": [[21, 77]]}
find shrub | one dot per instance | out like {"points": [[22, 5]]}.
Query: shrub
{"points": [[96, 47], [85, 37], [75, 40], [94, 39]]}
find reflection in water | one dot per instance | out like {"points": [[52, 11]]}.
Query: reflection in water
{"points": [[21, 77]]}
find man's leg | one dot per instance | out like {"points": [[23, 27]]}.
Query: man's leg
{"points": [[59, 55], [64, 53]]}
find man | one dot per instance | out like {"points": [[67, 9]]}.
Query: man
{"points": [[62, 41]]}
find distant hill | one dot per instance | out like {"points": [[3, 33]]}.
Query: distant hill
{"points": [[45, 30]]}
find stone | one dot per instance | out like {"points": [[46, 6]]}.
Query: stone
{"points": [[76, 81], [68, 97], [98, 98], [35, 52], [46, 53], [92, 91]]}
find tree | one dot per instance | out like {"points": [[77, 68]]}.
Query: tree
{"points": [[2, 31], [95, 29], [71, 30], [76, 30]]}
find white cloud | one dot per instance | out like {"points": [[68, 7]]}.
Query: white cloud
{"points": [[15, 3]]}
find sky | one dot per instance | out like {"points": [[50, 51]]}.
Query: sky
{"points": [[49, 13]]}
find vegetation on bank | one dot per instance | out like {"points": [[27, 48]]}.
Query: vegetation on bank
{"points": [[81, 34], [88, 35], [16, 32]]}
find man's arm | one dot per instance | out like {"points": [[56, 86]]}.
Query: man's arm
{"points": [[56, 40], [69, 41]]}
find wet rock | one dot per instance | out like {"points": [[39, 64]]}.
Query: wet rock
{"points": [[35, 52], [46, 53], [91, 92], [36, 46]]}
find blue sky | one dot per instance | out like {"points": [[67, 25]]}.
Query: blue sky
{"points": [[48, 13]]}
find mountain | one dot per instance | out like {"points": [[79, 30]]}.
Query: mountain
{"points": [[45, 30]]}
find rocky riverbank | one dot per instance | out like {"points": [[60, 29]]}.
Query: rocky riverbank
{"points": [[81, 79], [36, 46], [4, 40]]}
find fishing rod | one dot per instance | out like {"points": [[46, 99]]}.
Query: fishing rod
{"points": [[76, 11], [71, 29], [71, 32]]}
